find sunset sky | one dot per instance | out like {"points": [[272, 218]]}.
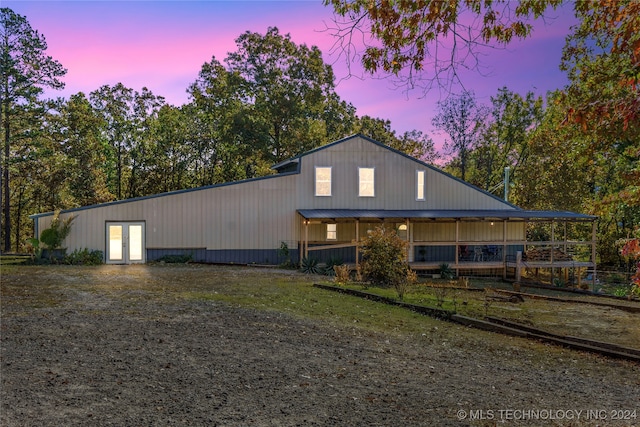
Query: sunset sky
{"points": [[162, 45]]}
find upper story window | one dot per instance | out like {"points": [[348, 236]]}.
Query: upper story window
{"points": [[323, 181], [332, 231], [366, 184], [420, 182]]}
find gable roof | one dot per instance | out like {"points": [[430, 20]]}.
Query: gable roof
{"points": [[292, 167], [294, 164]]}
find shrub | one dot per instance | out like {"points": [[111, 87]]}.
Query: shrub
{"points": [[329, 266], [57, 232], [384, 258], [384, 261], [446, 272], [310, 266], [84, 257], [342, 273]]}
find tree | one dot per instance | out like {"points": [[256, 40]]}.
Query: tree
{"points": [[25, 70], [426, 42], [602, 58], [602, 105], [631, 250], [287, 86], [461, 118], [80, 136], [115, 107], [504, 138], [127, 115]]}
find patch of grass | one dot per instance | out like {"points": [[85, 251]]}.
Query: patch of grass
{"points": [[285, 291], [13, 259], [600, 323]]}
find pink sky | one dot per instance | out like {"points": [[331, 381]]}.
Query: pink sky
{"points": [[163, 44]]}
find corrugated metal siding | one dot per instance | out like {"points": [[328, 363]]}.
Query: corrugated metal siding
{"points": [[260, 214], [395, 181], [257, 214]]}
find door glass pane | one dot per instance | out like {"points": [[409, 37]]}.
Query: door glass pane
{"points": [[115, 242], [135, 243]]}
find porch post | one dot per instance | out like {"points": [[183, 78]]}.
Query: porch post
{"points": [[409, 241], [306, 238], [457, 246], [593, 255], [504, 249], [553, 237], [357, 242]]}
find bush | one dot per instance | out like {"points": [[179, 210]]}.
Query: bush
{"points": [[84, 257], [446, 272], [342, 273], [57, 232], [384, 260], [329, 266]]}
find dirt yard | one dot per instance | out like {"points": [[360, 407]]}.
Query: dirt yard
{"points": [[207, 346]]}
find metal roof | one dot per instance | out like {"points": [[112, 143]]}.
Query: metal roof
{"points": [[439, 214]]}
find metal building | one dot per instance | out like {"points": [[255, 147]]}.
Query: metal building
{"points": [[321, 204]]}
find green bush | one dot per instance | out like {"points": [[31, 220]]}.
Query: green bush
{"points": [[384, 261], [446, 272], [84, 257], [57, 232], [328, 268]]}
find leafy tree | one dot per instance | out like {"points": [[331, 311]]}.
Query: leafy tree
{"points": [[127, 115], [504, 138], [114, 106], [25, 70], [631, 250], [418, 145], [287, 85], [602, 58], [555, 175], [426, 42], [227, 139], [80, 135], [601, 105], [461, 118], [145, 112], [169, 153]]}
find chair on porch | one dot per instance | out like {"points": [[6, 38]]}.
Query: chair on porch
{"points": [[478, 254]]}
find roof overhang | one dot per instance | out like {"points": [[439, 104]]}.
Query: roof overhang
{"points": [[441, 214]]}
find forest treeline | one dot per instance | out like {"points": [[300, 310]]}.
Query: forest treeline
{"points": [[272, 99]]}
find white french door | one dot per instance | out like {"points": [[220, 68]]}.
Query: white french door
{"points": [[125, 242]]}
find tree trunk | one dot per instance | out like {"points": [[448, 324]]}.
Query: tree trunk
{"points": [[5, 176]]}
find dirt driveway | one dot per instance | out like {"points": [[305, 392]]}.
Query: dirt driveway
{"points": [[124, 346]]}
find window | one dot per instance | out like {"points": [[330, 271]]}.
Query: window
{"points": [[420, 175], [366, 182], [332, 231], [323, 181]]}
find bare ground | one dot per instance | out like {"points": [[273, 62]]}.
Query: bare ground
{"points": [[114, 346]]}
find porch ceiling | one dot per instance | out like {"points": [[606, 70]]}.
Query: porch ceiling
{"points": [[441, 214]]}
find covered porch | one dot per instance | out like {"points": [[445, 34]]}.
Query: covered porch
{"points": [[469, 241]]}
